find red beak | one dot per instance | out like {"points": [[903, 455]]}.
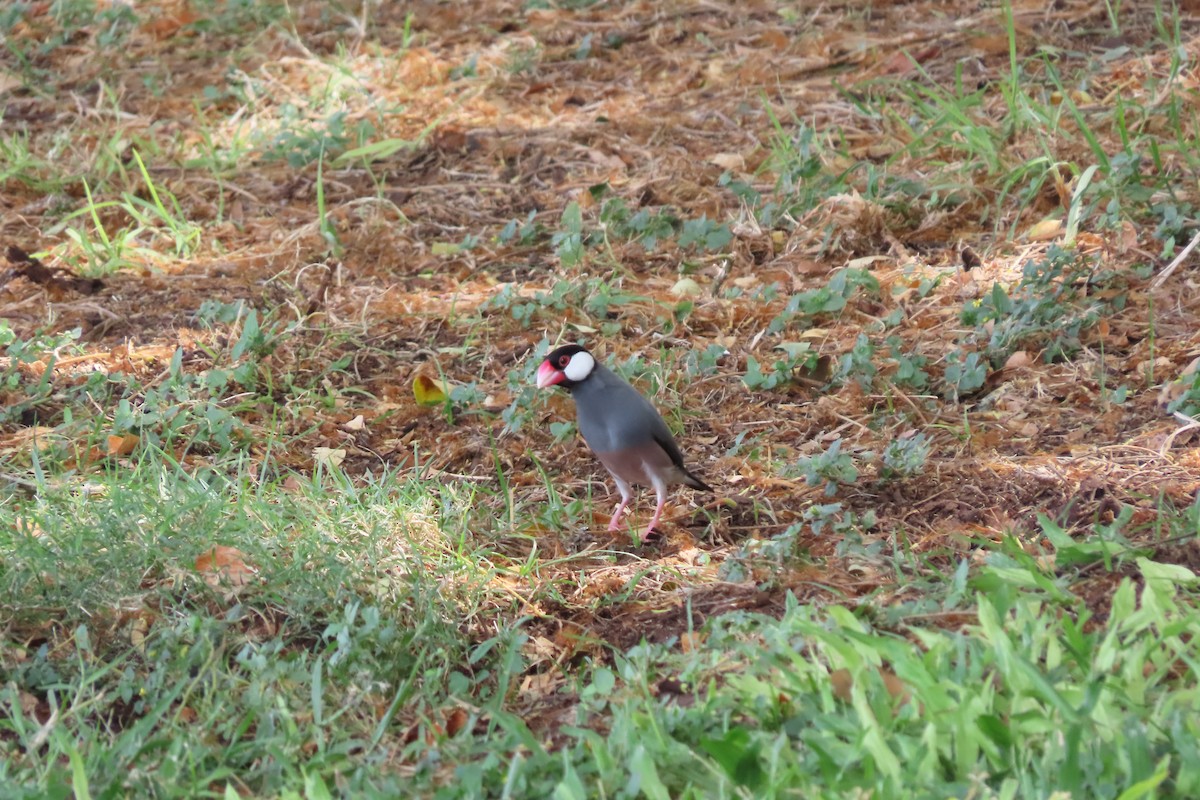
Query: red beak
{"points": [[547, 375]]}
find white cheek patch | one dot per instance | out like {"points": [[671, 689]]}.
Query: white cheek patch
{"points": [[580, 366]]}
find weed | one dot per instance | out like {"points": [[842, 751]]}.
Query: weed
{"points": [[705, 234], [858, 364], [286, 669], [965, 373], [831, 469], [829, 299], [525, 233], [1045, 309], [568, 242], [1186, 395], [797, 356], [904, 456], [701, 363], [522, 60], [909, 368], [300, 142]]}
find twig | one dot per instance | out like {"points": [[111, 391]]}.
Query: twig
{"points": [[1166, 273], [1188, 424]]}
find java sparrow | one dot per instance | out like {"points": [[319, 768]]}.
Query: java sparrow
{"points": [[620, 426]]}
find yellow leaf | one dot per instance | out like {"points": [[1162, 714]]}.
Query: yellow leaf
{"points": [[429, 392], [1045, 231]]}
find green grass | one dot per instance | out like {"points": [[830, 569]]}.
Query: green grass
{"points": [[369, 617], [357, 624], [397, 632], [1021, 704]]}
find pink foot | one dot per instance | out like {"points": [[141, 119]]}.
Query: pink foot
{"points": [[654, 520], [615, 524]]}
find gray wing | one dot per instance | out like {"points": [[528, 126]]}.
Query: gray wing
{"points": [[614, 416]]}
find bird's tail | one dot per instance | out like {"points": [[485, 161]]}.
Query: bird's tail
{"points": [[691, 480]]}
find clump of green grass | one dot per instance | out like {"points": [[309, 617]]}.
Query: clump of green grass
{"points": [[1027, 700], [340, 624]]}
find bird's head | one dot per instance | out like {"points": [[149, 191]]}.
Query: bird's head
{"points": [[567, 367]]}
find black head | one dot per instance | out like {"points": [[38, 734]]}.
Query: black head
{"points": [[567, 366]]}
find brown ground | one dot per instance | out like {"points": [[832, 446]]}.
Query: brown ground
{"points": [[659, 118]]}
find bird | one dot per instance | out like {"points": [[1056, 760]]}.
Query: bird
{"points": [[620, 426]]}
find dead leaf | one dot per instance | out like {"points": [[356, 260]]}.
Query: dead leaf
{"points": [[970, 259], [729, 161], [122, 445], [843, 685], [1019, 360], [866, 262], [354, 425], [807, 266], [992, 45], [29, 528], [456, 721], [137, 633], [223, 564], [775, 38], [329, 457], [1127, 238]]}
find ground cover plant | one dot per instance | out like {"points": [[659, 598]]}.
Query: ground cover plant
{"points": [[282, 514]]}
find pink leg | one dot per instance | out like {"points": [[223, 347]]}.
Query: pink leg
{"points": [[661, 492], [615, 525], [626, 495]]}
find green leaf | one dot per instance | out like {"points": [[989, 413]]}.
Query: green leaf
{"points": [[643, 775], [1145, 788], [737, 754], [1173, 573], [249, 335], [603, 681], [315, 788], [79, 778], [570, 787], [995, 729], [317, 693], [572, 218]]}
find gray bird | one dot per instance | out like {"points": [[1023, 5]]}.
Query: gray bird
{"points": [[620, 426]]}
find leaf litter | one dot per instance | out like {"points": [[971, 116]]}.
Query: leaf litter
{"points": [[499, 113]]}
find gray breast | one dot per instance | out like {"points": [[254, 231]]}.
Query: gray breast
{"points": [[613, 416]]}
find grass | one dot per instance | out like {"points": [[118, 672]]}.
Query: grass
{"points": [[345, 642], [952, 549], [336, 621]]}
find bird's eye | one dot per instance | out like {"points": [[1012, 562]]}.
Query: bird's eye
{"points": [[563, 361]]}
